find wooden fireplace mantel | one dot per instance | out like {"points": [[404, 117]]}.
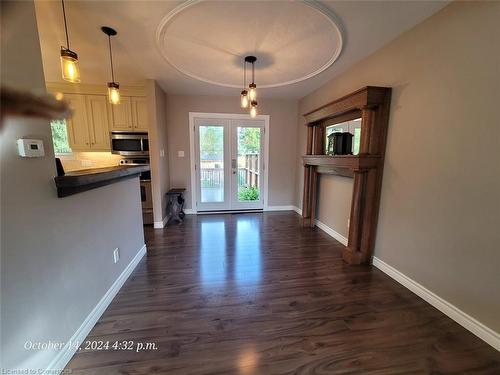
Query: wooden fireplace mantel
{"points": [[372, 105]]}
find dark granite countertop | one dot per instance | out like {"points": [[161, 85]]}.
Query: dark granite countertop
{"points": [[78, 181]]}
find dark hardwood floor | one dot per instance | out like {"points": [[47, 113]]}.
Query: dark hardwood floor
{"points": [[257, 294]]}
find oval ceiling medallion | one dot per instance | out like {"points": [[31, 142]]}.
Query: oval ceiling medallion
{"points": [[292, 40]]}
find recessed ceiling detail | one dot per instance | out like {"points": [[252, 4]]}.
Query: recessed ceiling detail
{"points": [[292, 40]]}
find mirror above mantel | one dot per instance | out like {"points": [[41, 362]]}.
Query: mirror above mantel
{"points": [[359, 121]]}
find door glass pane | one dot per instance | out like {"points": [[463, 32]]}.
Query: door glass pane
{"points": [[248, 150], [212, 163]]}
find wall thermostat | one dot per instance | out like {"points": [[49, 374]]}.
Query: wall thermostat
{"points": [[30, 148]]}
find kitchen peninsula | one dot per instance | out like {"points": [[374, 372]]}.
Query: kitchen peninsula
{"points": [[87, 179]]}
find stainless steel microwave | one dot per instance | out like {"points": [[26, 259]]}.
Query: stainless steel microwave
{"points": [[129, 143]]}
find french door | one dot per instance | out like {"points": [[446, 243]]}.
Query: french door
{"points": [[229, 164]]}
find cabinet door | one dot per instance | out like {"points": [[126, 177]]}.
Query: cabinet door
{"points": [[122, 114], [97, 114], [78, 133], [140, 114]]}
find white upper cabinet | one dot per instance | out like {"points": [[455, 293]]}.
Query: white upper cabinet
{"points": [[140, 116], [131, 114], [78, 132], [122, 114], [98, 122], [94, 117], [88, 127]]}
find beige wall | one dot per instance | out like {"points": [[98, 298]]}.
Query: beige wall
{"points": [[56, 254], [282, 140], [159, 150], [334, 193], [440, 207]]}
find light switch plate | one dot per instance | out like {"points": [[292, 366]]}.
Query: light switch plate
{"points": [[162, 153], [180, 154], [116, 255]]}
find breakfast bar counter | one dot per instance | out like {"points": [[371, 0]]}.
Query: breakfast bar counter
{"points": [[86, 179]]}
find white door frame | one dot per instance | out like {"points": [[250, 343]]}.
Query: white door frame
{"points": [[230, 116]]}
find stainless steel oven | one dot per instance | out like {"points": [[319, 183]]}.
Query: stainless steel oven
{"points": [[145, 187], [144, 176], [129, 143]]}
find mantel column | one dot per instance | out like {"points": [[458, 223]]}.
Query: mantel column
{"points": [[352, 254], [306, 198], [367, 130]]}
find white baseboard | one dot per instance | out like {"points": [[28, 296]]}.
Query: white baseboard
{"points": [[468, 322], [189, 211], [280, 208], [325, 228], [160, 224], [63, 357]]}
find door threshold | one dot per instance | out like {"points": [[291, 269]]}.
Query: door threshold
{"points": [[230, 212]]}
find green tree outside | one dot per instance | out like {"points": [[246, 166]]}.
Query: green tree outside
{"points": [[60, 136], [211, 142], [249, 140]]}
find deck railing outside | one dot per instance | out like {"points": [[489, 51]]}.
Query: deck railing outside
{"points": [[212, 173]]}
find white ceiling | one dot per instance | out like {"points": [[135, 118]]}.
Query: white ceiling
{"points": [[198, 47]]}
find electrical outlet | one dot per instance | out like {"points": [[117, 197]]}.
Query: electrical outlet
{"points": [[86, 163], [116, 255]]}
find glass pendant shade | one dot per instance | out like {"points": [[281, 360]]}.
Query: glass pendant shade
{"points": [[69, 66], [252, 91], [244, 99], [114, 93], [253, 108]]}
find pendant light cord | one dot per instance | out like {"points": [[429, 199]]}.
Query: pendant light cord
{"points": [[244, 75], [111, 59], [65, 24], [253, 73]]}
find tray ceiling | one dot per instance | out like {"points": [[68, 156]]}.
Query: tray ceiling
{"points": [[292, 41]]}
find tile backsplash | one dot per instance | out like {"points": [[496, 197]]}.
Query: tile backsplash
{"points": [[86, 160]]}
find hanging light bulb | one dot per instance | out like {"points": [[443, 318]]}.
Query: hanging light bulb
{"points": [[114, 92], [252, 91], [253, 108], [244, 99], [69, 59], [113, 87]]}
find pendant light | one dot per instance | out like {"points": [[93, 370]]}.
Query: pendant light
{"points": [[113, 87], [244, 93], [69, 59], [250, 96]]}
